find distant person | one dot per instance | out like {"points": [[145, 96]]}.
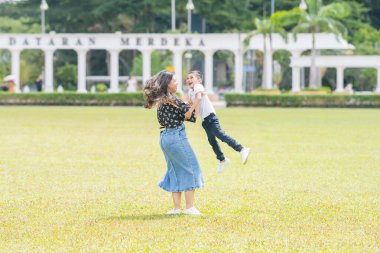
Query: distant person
{"points": [[210, 121], [183, 172], [348, 89], [11, 86], [132, 84], [39, 83], [4, 86]]}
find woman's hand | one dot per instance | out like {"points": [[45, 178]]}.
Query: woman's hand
{"points": [[188, 114]]}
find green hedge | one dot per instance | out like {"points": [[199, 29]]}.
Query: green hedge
{"points": [[232, 99], [72, 98], [293, 100]]}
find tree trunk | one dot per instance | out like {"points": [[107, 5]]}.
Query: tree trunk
{"points": [[264, 78], [318, 72], [313, 68]]}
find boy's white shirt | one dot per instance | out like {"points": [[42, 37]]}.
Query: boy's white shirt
{"points": [[205, 105]]}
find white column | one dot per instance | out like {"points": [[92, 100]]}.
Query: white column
{"points": [[377, 90], [296, 79], [302, 77], [178, 68], [296, 71], [339, 79], [82, 55], [238, 71], [146, 65], [114, 87], [16, 68], [48, 79], [209, 71], [269, 70]]}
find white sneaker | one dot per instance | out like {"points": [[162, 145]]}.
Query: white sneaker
{"points": [[174, 211], [192, 211], [223, 164], [244, 155]]}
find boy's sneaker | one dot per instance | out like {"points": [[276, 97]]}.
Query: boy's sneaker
{"points": [[223, 164], [192, 211], [174, 211], [244, 155]]}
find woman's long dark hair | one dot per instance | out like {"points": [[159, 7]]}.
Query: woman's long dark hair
{"points": [[156, 89]]}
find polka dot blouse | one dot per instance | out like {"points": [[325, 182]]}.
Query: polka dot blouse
{"points": [[171, 116]]}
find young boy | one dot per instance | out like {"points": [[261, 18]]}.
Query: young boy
{"points": [[210, 122]]}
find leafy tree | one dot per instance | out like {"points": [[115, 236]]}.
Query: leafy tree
{"points": [[67, 76], [373, 11], [266, 27], [141, 16], [31, 62], [159, 59], [5, 66], [10, 25], [361, 33], [318, 18]]}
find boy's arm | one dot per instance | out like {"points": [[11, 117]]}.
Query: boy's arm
{"points": [[187, 99], [194, 105]]}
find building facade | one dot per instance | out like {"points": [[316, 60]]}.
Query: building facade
{"points": [[178, 44]]}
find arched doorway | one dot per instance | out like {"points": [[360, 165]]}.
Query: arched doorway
{"points": [[224, 71], [130, 69], [31, 69], [65, 69], [5, 67]]}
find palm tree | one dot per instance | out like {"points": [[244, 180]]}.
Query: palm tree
{"points": [[320, 18], [266, 28]]}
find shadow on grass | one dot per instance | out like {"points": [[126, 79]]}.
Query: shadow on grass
{"points": [[145, 217]]}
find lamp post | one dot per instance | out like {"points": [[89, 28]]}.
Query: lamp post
{"points": [[189, 8], [44, 7], [272, 6], [188, 55], [303, 5], [173, 15]]}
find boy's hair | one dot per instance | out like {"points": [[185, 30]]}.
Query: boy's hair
{"points": [[197, 73]]}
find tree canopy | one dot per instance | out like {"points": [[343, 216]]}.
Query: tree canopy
{"points": [[142, 16], [151, 16]]}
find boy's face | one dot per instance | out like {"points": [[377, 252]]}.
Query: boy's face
{"points": [[191, 80]]}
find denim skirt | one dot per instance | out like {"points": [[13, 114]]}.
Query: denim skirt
{"points": [[183, 171]]}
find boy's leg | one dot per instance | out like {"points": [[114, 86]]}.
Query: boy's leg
{"points": [[216, 130], [213, 142]]}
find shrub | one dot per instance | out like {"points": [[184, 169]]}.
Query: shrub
{"points": [[72, 98], [292, 100], [323, 88], [67, 76], [101, 87]]}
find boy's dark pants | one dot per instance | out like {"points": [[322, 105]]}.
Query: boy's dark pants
{"points": [[212, 128]]}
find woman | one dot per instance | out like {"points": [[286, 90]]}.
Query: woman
{"points": [[183, 172]]}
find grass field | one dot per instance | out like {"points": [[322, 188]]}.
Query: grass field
{"points": [[84, 179]]}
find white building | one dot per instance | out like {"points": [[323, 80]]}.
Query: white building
{"points": [[178, 44]]}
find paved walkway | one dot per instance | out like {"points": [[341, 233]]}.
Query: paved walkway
{"points": [[219, 104]]}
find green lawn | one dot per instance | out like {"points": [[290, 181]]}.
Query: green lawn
{"points": [[84, 179]]}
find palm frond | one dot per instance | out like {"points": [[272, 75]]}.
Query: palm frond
{"points": [[283, 33], [313, 6], [249, 36], [303, 27], [340, 28], [286, 18], [335, 10]]}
